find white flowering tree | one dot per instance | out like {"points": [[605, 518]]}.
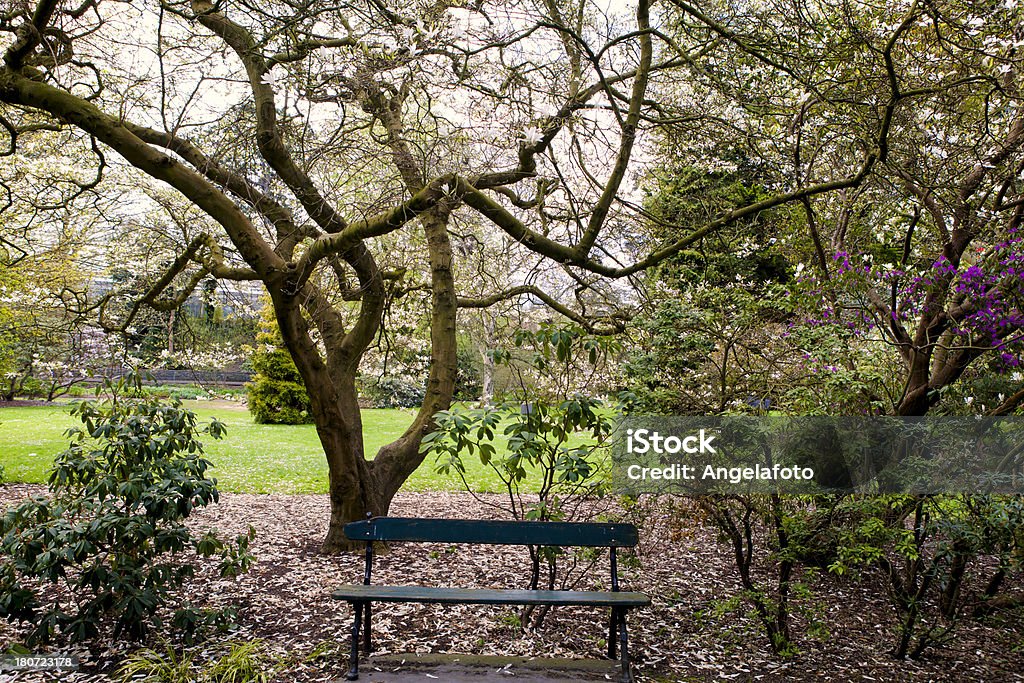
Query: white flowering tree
{"points": [[46, 344]]}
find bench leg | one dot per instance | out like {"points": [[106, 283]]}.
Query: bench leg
{"points": [[627, 671], [367, 647], [613, 623], [353, 670]]}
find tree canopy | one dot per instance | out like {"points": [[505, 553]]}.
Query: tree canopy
{"points": [[349, 154]]}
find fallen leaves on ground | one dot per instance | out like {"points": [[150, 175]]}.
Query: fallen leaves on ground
{"points": [[684, 636]]}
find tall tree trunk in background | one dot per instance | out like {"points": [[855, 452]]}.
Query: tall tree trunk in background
{"points": [[487, 382]]}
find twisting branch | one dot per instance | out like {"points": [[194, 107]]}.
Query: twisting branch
{"points": [[279, 215], [30, 34], [19, 88], [614, 323], [571, 255], [629, 129], [157, 298], [268, 136], [375, 226]]}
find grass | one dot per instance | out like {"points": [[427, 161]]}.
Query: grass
{"points": [[251, 458]]}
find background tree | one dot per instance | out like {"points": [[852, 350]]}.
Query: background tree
{"points": [[905, 289], [908, 282], [46, 346], [707, 338]]}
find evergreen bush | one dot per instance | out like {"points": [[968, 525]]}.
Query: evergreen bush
{"points": [[276, 393], [394, 392]]}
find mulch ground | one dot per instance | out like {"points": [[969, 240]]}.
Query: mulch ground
{"points": [[689, 633]]}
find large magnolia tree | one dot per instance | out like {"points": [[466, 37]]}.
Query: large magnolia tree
{"points": [[309, 138]]}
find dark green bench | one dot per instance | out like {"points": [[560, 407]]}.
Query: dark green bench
{"points": [[562, 534]]}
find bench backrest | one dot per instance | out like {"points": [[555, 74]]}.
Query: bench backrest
{"points": [[590, 534]]}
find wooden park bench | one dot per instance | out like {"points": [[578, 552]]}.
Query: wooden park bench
{"points": [[562, 534]]}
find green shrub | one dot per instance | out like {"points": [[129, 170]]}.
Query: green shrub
{"points": [[928, 550], [31, 388], [276, 394], [278, 402], [767, 536], [468, 379], [112, 533], [182, 393], [191, 392]]}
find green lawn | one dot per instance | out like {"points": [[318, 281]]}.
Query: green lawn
{"points": [[251, 458]]}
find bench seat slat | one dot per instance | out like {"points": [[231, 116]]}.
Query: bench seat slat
{"points": [[488, 596]]}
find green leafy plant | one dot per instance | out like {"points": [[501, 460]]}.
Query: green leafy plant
{"points": [[768, 537], [926, 548], [510, 619], [556, 451], [245, 662], [234, 661], [556, 444], [112, 532]]}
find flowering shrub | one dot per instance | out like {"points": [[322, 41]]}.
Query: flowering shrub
{"points": [[869, 305]]}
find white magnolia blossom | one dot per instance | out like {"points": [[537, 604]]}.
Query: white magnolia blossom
{"points": [[533, 135], [270, 78]]}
